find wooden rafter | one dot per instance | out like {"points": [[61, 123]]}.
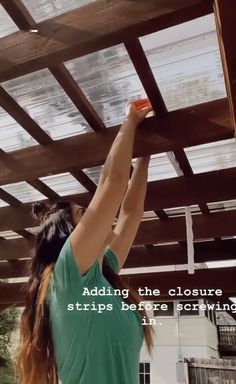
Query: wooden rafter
{"points": [[203, 278], [169, 193], [147, 78], [196, 125], [154, 231], [176, 254], [139, 256], [225, 16]]}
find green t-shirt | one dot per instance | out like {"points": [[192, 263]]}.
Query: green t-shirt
{"points": [[91, 347]]}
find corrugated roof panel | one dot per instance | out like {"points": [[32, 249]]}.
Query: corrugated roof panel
{"points": [[186, 63], [46, 102], [46, 9], [7, 25], [63, 184], [23, 192], [108, 79], [212, 156]]}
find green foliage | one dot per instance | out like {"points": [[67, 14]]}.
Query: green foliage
{"points": [[7, 375], [8, 323]]}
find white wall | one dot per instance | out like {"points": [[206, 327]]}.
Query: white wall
{"points": [[196, 336]]}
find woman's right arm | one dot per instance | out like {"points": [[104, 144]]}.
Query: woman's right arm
{"points": [[91, 232]]}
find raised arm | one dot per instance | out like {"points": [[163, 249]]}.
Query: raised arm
{"points": [[91, 232], [131, 211]]}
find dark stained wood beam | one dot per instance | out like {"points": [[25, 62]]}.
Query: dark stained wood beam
{"points": [[19, 14], [18, 113], [145, 74], [225, 17], [218, 224], [72, 89], [44, 189], [175, 254], [196, 125], [96, 26], [139, 256], [218, 278], [84, 180], [174, 192], [16, 248], [8, 270], [221, 278]]}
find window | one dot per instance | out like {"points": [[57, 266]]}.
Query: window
{"points": [[209, 313], [188, 309], [144, 373], [168, 311]]}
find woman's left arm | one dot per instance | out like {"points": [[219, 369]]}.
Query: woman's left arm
{"points": [[131, 211]]}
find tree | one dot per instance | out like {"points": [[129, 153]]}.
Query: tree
{"points": [[8, 323]]}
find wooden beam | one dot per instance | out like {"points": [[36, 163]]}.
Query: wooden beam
{"points": [[169, 193], [18, 113], [225, 17], [139, 256], [15, 249], [96, 26], [12, 270], [12, 293], [72, 89], [196, 125], [19, 14], [83, 179], [218, 224], [218, 278], [176, 254], [221, 278]]}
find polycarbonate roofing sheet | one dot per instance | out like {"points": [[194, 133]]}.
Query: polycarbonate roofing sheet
{"points": [[46, 102], [7, 25], [23, 192], [63, 184], [108, 79], [185, 60], [46, 9], [212, 156]]}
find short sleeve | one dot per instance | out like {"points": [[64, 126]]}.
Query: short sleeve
{"points": [[112, 260], [67, 275]]}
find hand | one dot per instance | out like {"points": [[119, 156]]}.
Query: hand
{"points": [[139, 115]]}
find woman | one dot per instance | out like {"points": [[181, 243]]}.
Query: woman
{"points": [[63, 335]]}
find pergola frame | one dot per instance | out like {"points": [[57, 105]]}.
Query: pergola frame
{"points": [[72, 35]]}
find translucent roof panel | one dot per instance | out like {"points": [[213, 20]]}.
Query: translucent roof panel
{"points": [[46, 9], [13, 136], [46, 102], [212, 156], [3, 203], [23, 192], [108, 79], [9, 235], [218, 206], [186, 63], [149, 215], [160, 168], [7, 25], [180, 211], [33, 230], [221, 264], [63, 184], [93, 173]]}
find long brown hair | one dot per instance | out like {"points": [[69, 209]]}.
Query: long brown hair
{"points": [[36, 360]]}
